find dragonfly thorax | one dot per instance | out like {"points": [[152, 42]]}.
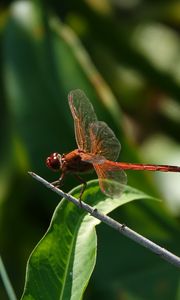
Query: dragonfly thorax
{"points": [[72, 162]]}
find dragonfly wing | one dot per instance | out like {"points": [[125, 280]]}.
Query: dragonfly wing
{"points": [[104, 141], [83, 115], [91, 158], [112, 179]]}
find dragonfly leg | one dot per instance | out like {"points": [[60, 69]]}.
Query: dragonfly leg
{"points": [[59, 182], [84, 184]]}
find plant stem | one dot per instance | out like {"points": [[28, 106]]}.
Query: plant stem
{"points": [[8, 287], [163, 253]]}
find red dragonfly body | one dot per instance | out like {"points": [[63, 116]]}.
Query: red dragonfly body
{"points": [[98, 149]]}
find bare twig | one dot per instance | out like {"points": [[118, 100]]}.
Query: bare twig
{"points": [[163, 253]]}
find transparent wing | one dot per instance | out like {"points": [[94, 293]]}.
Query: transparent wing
{"points": [[112, 179], [104, 141], [83, 115], [91, 158]]}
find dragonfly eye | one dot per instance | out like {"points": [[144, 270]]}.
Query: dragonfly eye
{"points": [[53, 162]]}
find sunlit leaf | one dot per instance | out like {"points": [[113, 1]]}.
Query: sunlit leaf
{"points": [[62, 263]]}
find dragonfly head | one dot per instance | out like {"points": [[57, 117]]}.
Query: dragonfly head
{"points": [[54, 161]]}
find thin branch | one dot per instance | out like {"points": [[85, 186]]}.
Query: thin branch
{"points": [[163, 253]]}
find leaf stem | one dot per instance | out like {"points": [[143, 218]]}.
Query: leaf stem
{"points": [[6, 281], [162, 252]]}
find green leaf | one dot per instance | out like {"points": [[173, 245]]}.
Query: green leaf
{"points": [[63, 261]]}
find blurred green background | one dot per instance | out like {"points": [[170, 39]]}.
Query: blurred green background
{"points": [[125, 55]]}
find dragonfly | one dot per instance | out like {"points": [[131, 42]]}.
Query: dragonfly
{"points": [[98, 149]]}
